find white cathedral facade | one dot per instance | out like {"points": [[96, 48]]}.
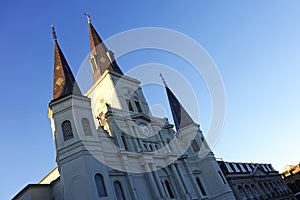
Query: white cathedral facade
{"points": [[109, 146]]}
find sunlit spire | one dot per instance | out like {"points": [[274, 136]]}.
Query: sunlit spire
{"points": [[100, 57], [64, 82]]}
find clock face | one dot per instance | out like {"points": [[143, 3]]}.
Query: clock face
{"points": [[144, 129]]}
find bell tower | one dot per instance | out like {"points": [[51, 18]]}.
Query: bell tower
{"points": [[111, 88], [75, 135], [199, 153]]}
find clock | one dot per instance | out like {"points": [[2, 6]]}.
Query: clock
{"points": [[144, 129]]}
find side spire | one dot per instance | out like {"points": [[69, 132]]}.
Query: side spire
{"points": [[180, 116], [100, 57], [64, 82]]}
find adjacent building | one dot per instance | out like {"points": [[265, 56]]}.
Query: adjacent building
{"points": [[291, 176], [255, 181]]}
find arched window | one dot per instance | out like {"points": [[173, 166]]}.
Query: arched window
{"points": [[280, 187], [145, 146], [242, 192], [195, 146], [86, 127], [255, 192], [249, 192], [100, 185], [201, 186], [138, 105], [67, 130], [169, 189], [119, 190], [151, 147], [129, 105], [262, 188], [124, 142], [268, 190]]}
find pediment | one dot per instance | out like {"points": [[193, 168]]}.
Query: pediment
{"points": [[258, 171], [141, 116]]}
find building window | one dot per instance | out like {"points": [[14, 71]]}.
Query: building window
{"points": [[138, 106], [201, 186], [221, 175], [280, 187], [249, 192], [242, 192], [67, 130], [145, 146], [129, 105], [255, 192], [124, 142], [262, 188], [150, 147], [100, 185], [119, 190], [195, 146], [169, 189], [86, 127], [268, 190], [93, 63]]}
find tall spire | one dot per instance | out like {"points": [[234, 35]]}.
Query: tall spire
{"points": [[64, 82], [101, 58], [180, 116]]}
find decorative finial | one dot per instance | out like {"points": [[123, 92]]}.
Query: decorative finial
{"points": [[88, 17], [162, 78], [53, 32]]}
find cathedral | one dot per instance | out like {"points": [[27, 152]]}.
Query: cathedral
{"points": [[109, 146]]}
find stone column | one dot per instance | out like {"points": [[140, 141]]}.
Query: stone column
{"points": [[137, 141], [152, 182], [158, 183], [193, 180], [179, 184], [132, 186], [181, 175]]}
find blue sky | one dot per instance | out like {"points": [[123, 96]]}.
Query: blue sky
{"points": [[255, 45]]}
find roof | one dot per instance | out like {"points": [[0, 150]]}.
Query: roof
{"points": [[243, 168], [52, 176]]}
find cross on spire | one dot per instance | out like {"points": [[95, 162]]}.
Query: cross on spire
{"points": [[163, 80], [88, 17], [53, 32]]}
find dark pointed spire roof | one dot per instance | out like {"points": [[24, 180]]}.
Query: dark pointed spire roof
{"points": [[104, 58], [64, 82], [180, 116]]}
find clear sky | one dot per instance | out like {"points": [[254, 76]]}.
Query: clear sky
{"points": [[255, 45]]}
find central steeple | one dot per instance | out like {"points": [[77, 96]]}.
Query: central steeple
{"points": [[100, 57]]}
